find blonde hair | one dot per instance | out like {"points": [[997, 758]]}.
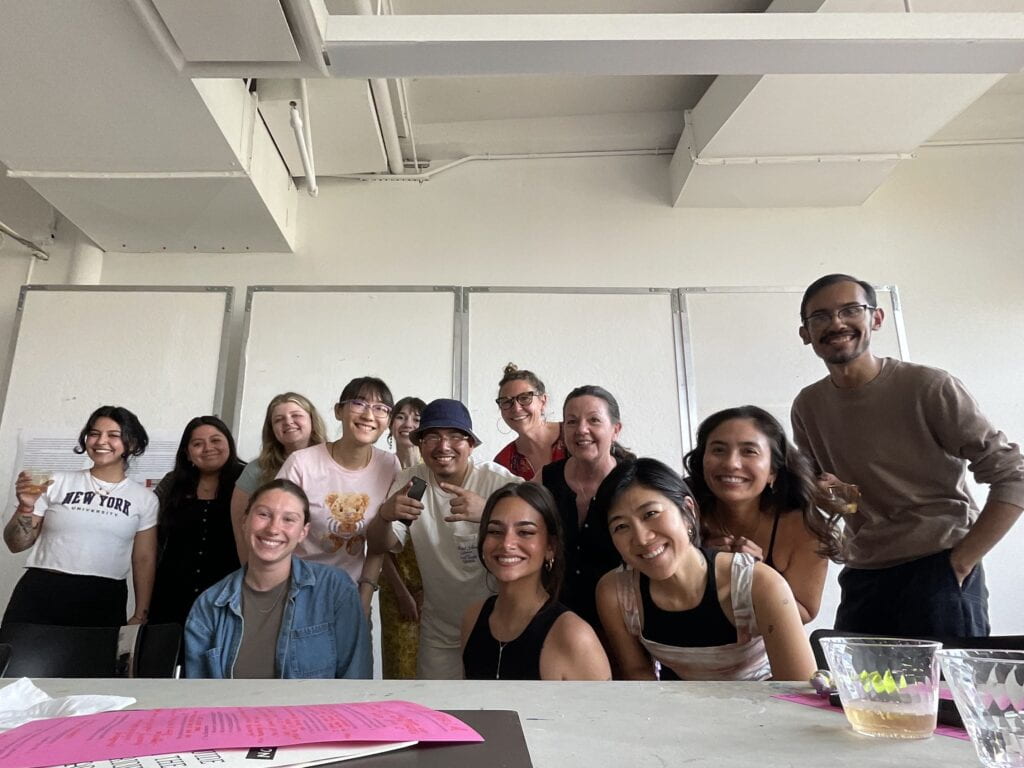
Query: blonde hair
{"points": [[272, 455]]}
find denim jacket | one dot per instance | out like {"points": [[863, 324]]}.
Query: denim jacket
{"points": [[324, 633]]}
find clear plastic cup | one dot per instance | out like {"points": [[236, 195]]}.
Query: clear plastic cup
{"points": [[889, 686], [39, 478], [988, 687]]}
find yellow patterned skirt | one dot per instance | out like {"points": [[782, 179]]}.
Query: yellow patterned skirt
{"points": [[400, 638]]}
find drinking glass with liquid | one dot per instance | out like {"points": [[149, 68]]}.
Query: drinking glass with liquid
{"points": [[889, 687]]}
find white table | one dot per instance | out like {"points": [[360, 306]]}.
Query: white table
{"points": [[596, 724]]}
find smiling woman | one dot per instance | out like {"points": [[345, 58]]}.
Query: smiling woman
{"points": [[522, 399], [706, 615], [86, 531], [524, 632], [196, 541], [346, 480], [279, 616]]}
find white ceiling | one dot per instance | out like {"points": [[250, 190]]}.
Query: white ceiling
{"points": [[452, 117], [90, 88]]}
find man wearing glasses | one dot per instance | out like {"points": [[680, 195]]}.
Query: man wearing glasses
{"points": [[904, 434], [443, 525]]}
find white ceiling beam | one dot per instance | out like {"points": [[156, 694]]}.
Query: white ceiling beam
{"points": [[675, 44]]}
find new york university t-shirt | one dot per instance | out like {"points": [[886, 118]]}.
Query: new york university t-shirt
{"points": [[89, 525]]}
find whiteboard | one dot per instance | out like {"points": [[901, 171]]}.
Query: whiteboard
{"points": [[160, 352], [622, 340], [742, 347], [314, 340]]}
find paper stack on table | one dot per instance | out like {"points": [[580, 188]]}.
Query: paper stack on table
{"points": [[300, 735]]}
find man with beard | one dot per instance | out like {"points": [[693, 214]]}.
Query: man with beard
{"points": [[444, 527], [904, 434]]}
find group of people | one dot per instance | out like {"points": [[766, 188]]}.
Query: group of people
{"points": [[567, 556]]}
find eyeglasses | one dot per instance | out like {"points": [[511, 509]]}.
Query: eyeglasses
{"points": [[454, 439], [850, 313], [523, 398], [380, 410]]}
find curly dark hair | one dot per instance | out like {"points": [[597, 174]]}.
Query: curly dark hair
{"points": [[133, 434]]}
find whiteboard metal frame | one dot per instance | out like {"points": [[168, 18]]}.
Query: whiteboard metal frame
{"points": [[690, 390], [457, 324], [677, 331], [225, 334]]}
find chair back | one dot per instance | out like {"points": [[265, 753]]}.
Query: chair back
{"points": [[1006, 642], [45, 650], [5, 657]]}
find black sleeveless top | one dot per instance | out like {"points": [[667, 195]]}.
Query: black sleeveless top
{"points": [[700, 627], [771, 544], [484, 658]]}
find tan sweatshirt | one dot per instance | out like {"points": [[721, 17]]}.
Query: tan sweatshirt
{"points": [[906, 438]]}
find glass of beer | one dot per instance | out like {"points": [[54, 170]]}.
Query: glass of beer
{"points": [[39, 479], [846, 496], [889, 687]]}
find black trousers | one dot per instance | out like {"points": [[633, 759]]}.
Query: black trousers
{"points": [[920, 598], [67, 599]]}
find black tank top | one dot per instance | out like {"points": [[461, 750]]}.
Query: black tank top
{"points": [[700, 627], [484, 658], [768, 560]]}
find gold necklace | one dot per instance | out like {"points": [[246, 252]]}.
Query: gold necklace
{"points": [[283, 589], [95, 483]]}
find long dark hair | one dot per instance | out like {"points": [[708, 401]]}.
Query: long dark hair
{"points": [[184, 478], [794, 488], [540, 498], [133, 434], [653, 474], [618, 452]]}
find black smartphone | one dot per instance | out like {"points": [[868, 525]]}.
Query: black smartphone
{"points": [[416, 491]]}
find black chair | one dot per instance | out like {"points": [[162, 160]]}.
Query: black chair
{"points": [[44, 650], [5, 657], [1009, 642]]}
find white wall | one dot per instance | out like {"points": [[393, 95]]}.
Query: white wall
{"points": [[946, 227]]}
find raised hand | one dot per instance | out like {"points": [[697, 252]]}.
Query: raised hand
{"points": [[466, 505], [401, 507]]}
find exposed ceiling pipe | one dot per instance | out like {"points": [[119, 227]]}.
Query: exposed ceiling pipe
{"points": [[385, 109], [304, 142], [426, 175], [37, 250]]}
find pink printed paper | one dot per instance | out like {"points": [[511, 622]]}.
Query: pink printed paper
{"points": [[814, 700], [134, 733]]}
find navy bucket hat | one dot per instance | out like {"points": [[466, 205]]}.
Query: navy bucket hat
{"points": [[445, 414]]}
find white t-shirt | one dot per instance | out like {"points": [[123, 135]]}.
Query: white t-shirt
{"points": [[90, 525], [350, 497], [453, 577]]}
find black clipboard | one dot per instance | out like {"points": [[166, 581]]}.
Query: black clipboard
{"points": [[504, 746]]}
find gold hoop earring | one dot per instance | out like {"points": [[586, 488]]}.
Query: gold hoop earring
{"points": [[501, 423]]}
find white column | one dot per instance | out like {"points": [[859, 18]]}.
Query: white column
{"points": [[86, 266]]}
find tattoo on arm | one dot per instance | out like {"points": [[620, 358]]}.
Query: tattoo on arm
{"points": [[771, 628], [21, 532]]}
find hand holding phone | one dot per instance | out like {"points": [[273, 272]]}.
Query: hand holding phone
{"points": [[417, 487]]}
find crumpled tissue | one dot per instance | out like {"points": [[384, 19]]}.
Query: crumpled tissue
{"points": [[21, 702]]}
